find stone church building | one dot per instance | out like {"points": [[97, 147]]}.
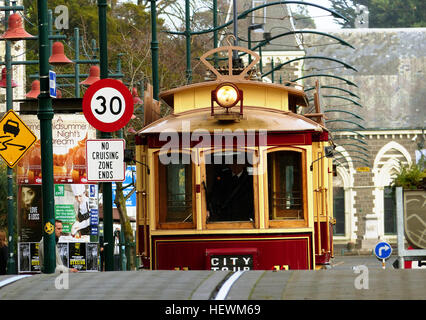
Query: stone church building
{"points": [[385, 129], [375, 109]]}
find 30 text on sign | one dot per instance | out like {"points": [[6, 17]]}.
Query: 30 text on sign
{"points": [[105, 160], [108, 105]]}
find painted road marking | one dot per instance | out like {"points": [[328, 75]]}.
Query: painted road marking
{"points": [[13, 279], [224, 289]]}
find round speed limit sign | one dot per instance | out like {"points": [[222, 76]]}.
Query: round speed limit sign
{"points": [[108, 105]]}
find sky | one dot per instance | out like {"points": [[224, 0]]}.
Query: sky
{"points": [[323, 19], [323, 23]]}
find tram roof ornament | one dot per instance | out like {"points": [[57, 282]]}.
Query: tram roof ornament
{"points": [[227, 94], [232, 85], [231, 71]]}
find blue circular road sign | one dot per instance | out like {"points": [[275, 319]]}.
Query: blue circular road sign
{"points": [[383, 250]]}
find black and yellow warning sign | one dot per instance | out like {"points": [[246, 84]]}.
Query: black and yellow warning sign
{"points": [[15, 138], [49, 228]]}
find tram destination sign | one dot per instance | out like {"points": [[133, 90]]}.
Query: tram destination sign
{"points": [[232, 259], [105, 160], [233, 263]]}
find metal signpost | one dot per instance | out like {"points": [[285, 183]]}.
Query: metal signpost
{"points": [[45, 115], [107, 106]]}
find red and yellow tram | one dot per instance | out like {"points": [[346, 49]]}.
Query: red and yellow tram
{"points": [[234, 178]]}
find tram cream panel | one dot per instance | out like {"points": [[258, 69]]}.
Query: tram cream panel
{"points": [[260, 96], [198, 182], [152, 188], [142, 213], [322, 182]]}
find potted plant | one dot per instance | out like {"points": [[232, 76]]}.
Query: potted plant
{"points": [[410, 177]]}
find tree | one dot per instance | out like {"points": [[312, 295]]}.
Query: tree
{"points": [[384, 13], [301, 18], [129, 36]]}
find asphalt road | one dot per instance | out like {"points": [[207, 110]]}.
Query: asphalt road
{"points": [[349, 277], [349, 262]]}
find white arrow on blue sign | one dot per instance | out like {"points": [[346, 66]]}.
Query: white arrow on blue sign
{"points": [[383, 250], [52, 84]]}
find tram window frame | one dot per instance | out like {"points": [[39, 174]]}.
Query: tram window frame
{"points": [[228, 224], [161, 194], [269, 215]]}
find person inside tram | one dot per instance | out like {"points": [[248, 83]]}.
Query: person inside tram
{"points": [[231, 195]]}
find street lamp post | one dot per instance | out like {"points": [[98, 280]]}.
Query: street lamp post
{"points": [[154, 50], [11, 264], [188, 42], [106, 186], [249, 30], [45, 115]]}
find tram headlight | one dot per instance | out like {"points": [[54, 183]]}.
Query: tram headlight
{"points": [[227, 95]]}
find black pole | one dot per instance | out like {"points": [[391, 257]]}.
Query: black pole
{"points": [[154, 51], [106, 186], [45, 115], [11, 261]]}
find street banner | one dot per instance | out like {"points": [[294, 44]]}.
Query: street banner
{"points": [[76, 201], [81, 256], [29, 213], [69, 135], [76, 205], [77, 256], [130, 178]]}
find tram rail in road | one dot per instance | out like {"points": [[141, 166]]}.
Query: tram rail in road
{"points": [[338, 284]]}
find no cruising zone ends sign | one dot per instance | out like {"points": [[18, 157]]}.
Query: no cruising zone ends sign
{"points": [[105, 160]]}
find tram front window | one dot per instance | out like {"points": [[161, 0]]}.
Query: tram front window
{"points": [[285, 185], [230, 194], [175, 192]]}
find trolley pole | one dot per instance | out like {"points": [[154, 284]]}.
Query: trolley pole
{"points": [[45, 115], [106, 186]]}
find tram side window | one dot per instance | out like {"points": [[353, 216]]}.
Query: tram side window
{"points": [[230, 195], [175, 192], [285, 185]]}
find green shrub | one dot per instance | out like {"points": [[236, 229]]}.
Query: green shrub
{"points": [[410, 177]]}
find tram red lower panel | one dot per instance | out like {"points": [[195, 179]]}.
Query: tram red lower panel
{"points": [[326, 243], [236, 252]]}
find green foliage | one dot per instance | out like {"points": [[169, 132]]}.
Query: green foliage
{"points": [[384, 13], [129, 36], [410, 177]]}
